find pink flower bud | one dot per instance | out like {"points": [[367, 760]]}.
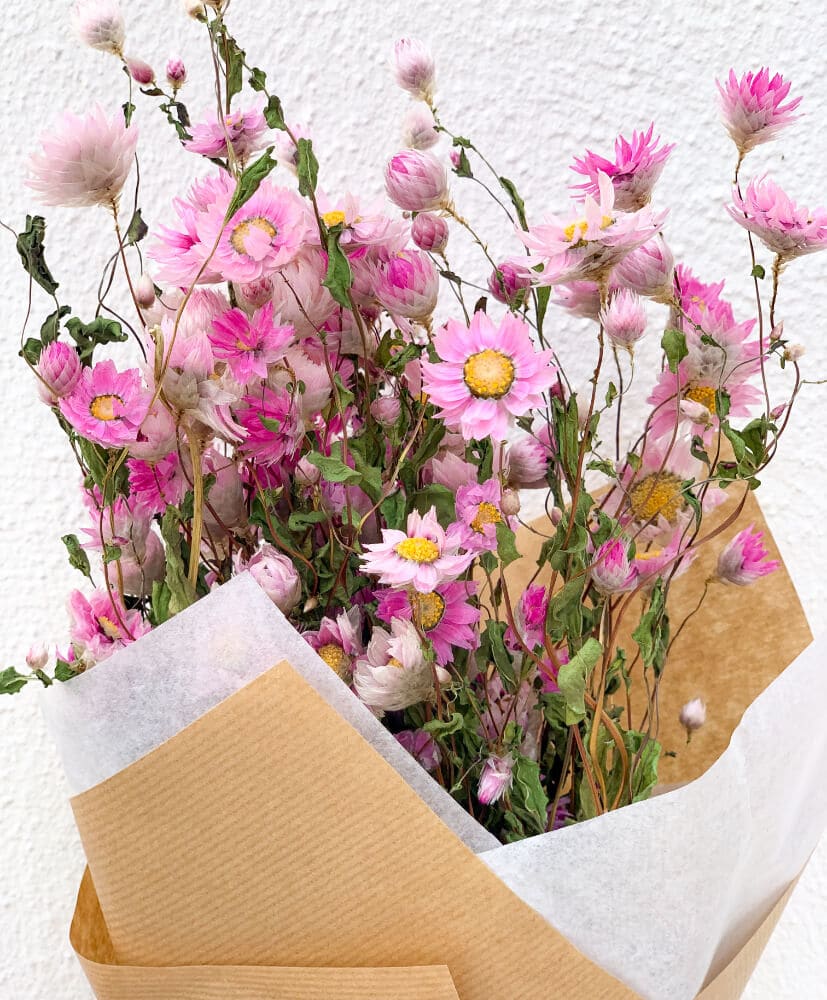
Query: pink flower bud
{"points": [[455, 158], [509, 282], [777, 331], [386, 410], [743, 561], [145, 291], [60, 368], [157, 436], [696, 412], [610, 570], [138, 575], [624, 318], [407, 284], [140, 71], [418, 130], [510, 503], [414, 68], [496, 778], [778, 411], [556, 516], [416, 181], [421, 745], [794, 352], [649, 270], [429, 232], [307, 474], [276, 575], [693, 715], [176, 72], [527, 461], [99, 24], [37, 657], [255, 294]]}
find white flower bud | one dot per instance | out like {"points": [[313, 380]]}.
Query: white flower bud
{"points": [[37, 657], [692, 716]]}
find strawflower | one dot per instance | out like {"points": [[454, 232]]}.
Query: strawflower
{"points": [[753, 107], [445, 615], [416, 181], [782, 226], [107, 406], [744, 560], [636, 167], [244, 130], [249, 344]]}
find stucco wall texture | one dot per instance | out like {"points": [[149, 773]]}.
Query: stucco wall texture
{"points": [[533, 83]]}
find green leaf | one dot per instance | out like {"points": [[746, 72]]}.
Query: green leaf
{"points": [[528, 794], [646, 773], [463, 168], [439, 497], [573, 676], [30, 246], [31, 350], [307, 167], [11, 681], [78, 559], [673, 343], [258, 79], [516, 200], [181, 591], [445, 727], [250, 181], [393, 508], [495, 642], [652, 632], [270, 423], [64, 671], [128, 111], [506, 544], [339, 277], [50, 329], [543, 297], [299, 520], [274, 114], [111, 553], [333, 469], [758, 272], [161, 596], [722, 403], [88, 336], [137, 228]]}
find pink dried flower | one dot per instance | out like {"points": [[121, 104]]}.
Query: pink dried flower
{"points": [[744, 560], [530, 618], [582, 298], [101, 625], [496, 779], [610, 569], [395, 674], [249, 345], [487, 374], [37, 657], [445, 615], [85, 160], [753, 107], [245, 131], [479, 508], [649, 270], [275, 573], [277, 441], [421, 746], [386, 410], [140, 71], [406, 284], [154, 485], [527, 461], [451, 471], [624, 319], [634, 171], [157, 435], [416, 181], [429, 232], [145, 291], [299, 298], [418, 130], [414, 68], [777, 221], [107, 406], [423, 556], [339, 641], [692, 716], [60, 369], [176, 72], [508, 283], [100, 25]]}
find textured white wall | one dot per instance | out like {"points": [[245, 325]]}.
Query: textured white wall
{"points": [[532, 83]]}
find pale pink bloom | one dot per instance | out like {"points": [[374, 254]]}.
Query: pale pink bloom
{"points": [[145, 291], [589, 245], [487, 374], [648, 270], [386, 410], [503, 707], [451, 471], [693, 715], [753, 107], [338, 641], [418, 130], [610, 570], [406, 284], [416, 181], [107, 406], [225, 509], [527, 460], [496, 779], [287, 151], [429, 232], [423, 556], [445, 615], [656, 560], [782, 226], [394, 674], [154, 485], [277, 442], [157, 436], [37, 657], [421, 746], [634, 171], [582, 298], [744, 560], [60, 369], [315, 389], [100, 625], [362, 225], [624, 319], [85, 160], [244, 130], [479, 508], [176, 72], [249, 344], [299, 298], [140, 71], [100, 25], [794, 352], [275, 573], [509, 282], [124, 525], [414, 68], [139, 574]]}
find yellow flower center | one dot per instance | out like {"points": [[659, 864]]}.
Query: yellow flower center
{"points": [[651, 554], [487, 513], [336, 658], [242, 231], [579, 228], [241, 346], [489, 374], [703, 394], [110, 629], [428, 609], [103, 407], [420, 550], [657, 494], [393, 662], [334, 218]]}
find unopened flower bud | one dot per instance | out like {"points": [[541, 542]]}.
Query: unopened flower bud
{"points": [[429, 232], [692, 716], [510, 503], [624, 318], [386, 410], [794, 352], [778, 411], [195, 9], [140, 71], [556, 516], [276, 575], [496, 779], [59, 368], [100, 25], [176, 73], [416, 181], [455, 158], [418, 130], [37, 657], [414, 68], [306, 473], [145, 291], [777, 331], [508, 282]]}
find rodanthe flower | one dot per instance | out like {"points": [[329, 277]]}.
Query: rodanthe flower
{"points": [[395, 673], [338, 641], [416, 181], [744, 560], [414, 68], [624, 318], [634, 171], [479, 508], [610, 570], [782, 226], [107, 406], [407, 284], [60, 369], [753, 108], [496, 779], [100, 25], [244, 130], [445, 615], [275, 573], [249, 344]]}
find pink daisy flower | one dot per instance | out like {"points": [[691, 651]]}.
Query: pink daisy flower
{"points": [[107, 406], [249, 344], [421, 746], [782, 226], [100, 625], [244, 129], [274, 432], [487, 374], [753, 107], [395, 674], [587, 247], [153, 486], [85, 160], [338, 641], [744, 560], [653, 561], [634, 171], [479, 509], [444, 615], [422, 557]]}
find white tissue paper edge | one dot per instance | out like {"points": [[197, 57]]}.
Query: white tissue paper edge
{"points": [[661, 894]]}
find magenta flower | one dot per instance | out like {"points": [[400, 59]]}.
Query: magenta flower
{"points": [[406, 284], [430, 232], [176, 72], [421, 746], [634, 171], [249, 344], [422, 557], [445, 615], [777, 221], [508, 282], [85, 160], [101, 625], [529, 618], [107, 406], [496, 779], [624, 319], [744, 560], [753, 107], [610, 569], [60, 369], [479, 508], [414, 68], [338, 641], [153, 486], [416, 181], [274, 432], [244, 130], [487, 374]]}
